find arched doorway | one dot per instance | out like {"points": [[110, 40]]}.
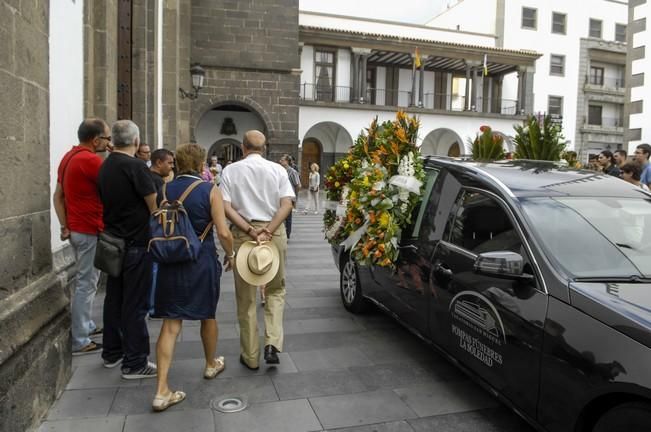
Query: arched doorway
{"points": [[311, 154], [226, 149], [332, 142], [221, 129], [442, 142]]}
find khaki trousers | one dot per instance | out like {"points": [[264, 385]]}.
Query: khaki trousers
{"points": [[246, 296]]}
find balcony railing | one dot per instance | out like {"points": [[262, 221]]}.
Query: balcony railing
{"points": [[605, 82], [402, 98], [606, 122]]}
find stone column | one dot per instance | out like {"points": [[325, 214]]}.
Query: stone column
{"points": [[354, 78], [363, 75], [525, 89], [467, 93], [421, 98], [144, 69], [496, 93]]}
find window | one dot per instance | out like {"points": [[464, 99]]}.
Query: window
{"points": [[594, 114], [555, 105], [620, 32], [419, 211], [479, 224], [558, 22], [529, 16], [557, 64], [595, 28], [324, 67], [596, 75]]}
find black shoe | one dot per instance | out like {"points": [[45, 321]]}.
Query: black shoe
{"points": [[271, 354], [247, 366]]}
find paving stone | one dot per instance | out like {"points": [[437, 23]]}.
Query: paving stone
{"points": [[96, 424], [171, 421], [254, 389], [317, 383], [393, 375], [235, 369], [331, 301], [286, 416], [360, 409], [331, 358], [82, 403], [446, 397], [491, 420], [318, 325], [97, 376], [399, 426]]}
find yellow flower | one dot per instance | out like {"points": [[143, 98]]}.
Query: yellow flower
{"points": [[353, 195], [365, 182], [346, 166], [384, 220], [337, 184]]}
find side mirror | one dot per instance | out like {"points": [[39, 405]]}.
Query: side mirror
{"points": [[501, 264]]}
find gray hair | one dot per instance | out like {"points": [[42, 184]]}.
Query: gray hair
{"points": [[125, 133]]}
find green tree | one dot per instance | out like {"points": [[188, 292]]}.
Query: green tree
{"points": [[536, 143], [487, 146]]}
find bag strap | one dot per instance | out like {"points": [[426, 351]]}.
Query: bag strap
{"points": [[205, 232], [65, 168], [164, 193], [189, 189]]}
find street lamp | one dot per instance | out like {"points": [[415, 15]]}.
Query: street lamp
{"points": [[198, 74]]}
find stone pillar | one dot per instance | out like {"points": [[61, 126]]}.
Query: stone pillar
{"points": [[496, 93], [354, 78], [467, 93], [35, 361], [478, 89], [421, 96], [100, 59], [364, 87], [525, 89], [144, 69]]}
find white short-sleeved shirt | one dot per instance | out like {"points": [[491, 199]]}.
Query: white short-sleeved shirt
{"points": [[254, 187]]}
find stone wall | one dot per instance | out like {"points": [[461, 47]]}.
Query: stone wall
{"points": [[34, 322], [100, 59], [250, 53]]}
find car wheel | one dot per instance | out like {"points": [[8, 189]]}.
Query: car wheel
{"points": [[629, 417], [350, 288]]}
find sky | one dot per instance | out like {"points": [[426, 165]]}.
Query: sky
{"points": [[409, 11]]}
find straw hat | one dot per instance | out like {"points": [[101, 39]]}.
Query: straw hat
{"points": [[257, 264]]}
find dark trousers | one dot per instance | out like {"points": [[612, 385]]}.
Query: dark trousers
{"points": [[125, 306], [288, 224]]}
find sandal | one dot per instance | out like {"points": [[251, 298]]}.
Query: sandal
{"points": [[212, 372], [161, 403]]}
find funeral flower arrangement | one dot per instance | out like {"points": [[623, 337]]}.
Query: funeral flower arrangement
{"points": [[376, 188]]}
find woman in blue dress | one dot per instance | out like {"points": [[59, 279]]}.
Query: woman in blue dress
{"points": [[190, 290]]}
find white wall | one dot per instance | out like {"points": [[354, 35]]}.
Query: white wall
{"points": [[66, 88], [404, 86], [207, 131], [380, 84], [641, 120], [343, 74], [355, 120]]}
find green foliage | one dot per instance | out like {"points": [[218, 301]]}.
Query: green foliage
{"points": [[487, 146], [532, 142]]}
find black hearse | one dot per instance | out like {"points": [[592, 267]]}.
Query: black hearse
{"points": [[536, 281]]}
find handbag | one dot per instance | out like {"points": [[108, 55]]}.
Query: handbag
{"points": [[109, 254]]}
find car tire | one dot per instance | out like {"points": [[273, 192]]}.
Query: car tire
{"points": [[629, 417], [350, 288]]}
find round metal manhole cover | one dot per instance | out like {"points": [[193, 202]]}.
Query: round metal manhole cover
{"points": [[229, 404]]}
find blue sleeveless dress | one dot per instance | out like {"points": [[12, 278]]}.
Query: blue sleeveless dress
{"points": [[190, 290]]}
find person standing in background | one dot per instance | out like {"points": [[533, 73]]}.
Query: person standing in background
{"points": [[313, 191], [295, 181], [144, 154], [79, 210], [620, 157]]}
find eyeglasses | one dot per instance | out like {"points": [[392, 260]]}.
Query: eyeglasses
{"points": [[107, 138]]}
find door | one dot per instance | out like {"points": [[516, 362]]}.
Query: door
{"points": [[405, 289], [311, 154], [493, 325]]}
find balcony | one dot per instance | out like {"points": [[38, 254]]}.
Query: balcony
{"points": [[604, 125], [401, 98], [605, 85]]}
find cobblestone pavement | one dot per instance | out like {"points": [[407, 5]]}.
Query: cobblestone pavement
{"points": [[338, 372]]}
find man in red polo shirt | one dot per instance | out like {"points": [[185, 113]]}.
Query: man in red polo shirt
{"points": [[79, 210]]}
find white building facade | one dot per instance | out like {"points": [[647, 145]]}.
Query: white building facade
{"points": [[354, 69], [579, 77], [638, 64]]}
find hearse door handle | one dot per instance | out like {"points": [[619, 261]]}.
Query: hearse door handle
{"points": [[442, 270]]}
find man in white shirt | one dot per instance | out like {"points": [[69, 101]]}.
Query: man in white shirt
{"points": [[257, 199]]}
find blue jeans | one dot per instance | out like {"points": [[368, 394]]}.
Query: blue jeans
{"points": [[85, 285]]}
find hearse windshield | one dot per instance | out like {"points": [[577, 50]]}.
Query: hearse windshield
{"points": [[594, 237]]}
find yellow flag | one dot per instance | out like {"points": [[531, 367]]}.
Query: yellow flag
{"points": [[417, 58]]}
